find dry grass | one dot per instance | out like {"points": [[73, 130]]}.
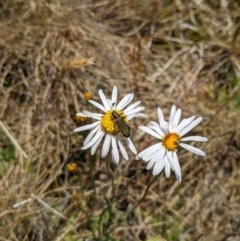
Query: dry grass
{"points": [[173, 52]]}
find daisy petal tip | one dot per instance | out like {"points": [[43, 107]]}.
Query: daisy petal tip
{"points": [[83, 148], [134, 151], [138, 158], [179, 178], [81, 114], [78, 129], [156, 171]]}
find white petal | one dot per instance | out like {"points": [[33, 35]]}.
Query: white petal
{"points": [[154, 159], [81, 114], [159, 165], [160, 116], [151, 151], [87, 127], [131, 146], [104, 100], [126, 99], [177, 167], [140, 115], [93, 102], [176, 119], [184, 123], [91, 134], [147, 152], [158, 130], [194, 138], [163, 124], [192, 149], [93, 115], [190, 127], [170, 160], [154, 124], [179, 178], [123, 150], [150, 157], [114, 97], [115, 154], [173, 161], [136, 110], [167, 167], [98, 135], [151, 162], [95, 145], [129, 117], [110, 103], [106, 146], [164, 127], [131, 107], [171, 118], [149, 131]]}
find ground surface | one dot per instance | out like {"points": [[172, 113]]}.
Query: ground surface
{"points": [[165, 52]]}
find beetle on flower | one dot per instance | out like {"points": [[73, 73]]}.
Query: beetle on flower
{"points": [[109, 126]]}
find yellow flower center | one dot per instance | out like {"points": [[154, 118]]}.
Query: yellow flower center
{"points": [[171, 141], [109, 122]]}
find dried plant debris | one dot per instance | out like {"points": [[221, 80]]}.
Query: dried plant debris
{"points": [[55, 56]]}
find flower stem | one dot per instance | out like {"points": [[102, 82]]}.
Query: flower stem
{"points": [[112, 176], [144, 195]]}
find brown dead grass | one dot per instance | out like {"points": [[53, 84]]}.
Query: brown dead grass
{"points": [[173, 52]]}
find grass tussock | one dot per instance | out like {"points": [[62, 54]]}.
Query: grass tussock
{"points": [[167, 52]]}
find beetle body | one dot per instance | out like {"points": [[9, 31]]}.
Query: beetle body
{"points": [[122, 125]]}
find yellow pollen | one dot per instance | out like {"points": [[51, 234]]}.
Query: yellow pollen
{"points": [[88, 95], [108, 122], [72, 167], [171, 141]]}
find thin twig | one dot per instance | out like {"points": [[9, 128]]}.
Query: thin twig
{"points": [[16, 205], [199, 237], [144, 195], [41, 202], [13, 140], [146, 191]]}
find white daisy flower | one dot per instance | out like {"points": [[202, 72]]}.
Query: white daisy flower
{"points": [[114, 120], [170, 134]]}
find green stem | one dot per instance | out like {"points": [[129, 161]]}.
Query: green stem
{"points": [[112, 176], [144, 195], [94, 189]]}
